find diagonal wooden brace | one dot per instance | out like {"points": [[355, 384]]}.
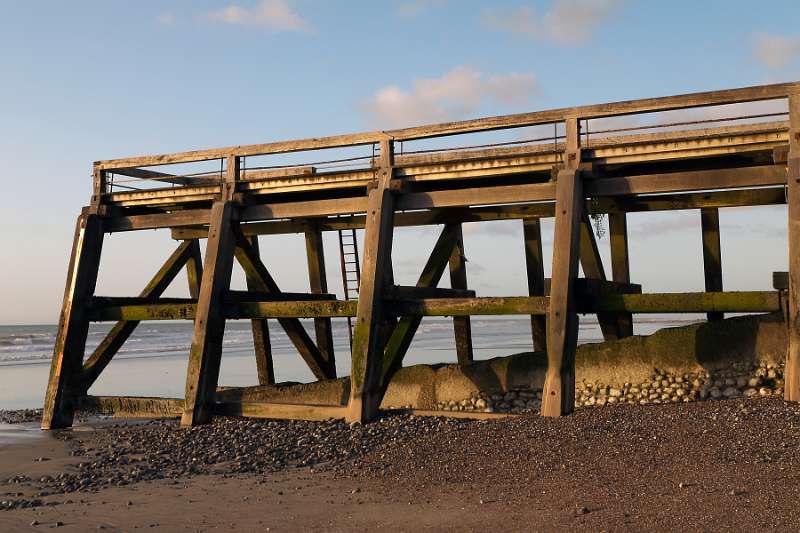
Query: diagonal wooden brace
{"points": [[123, 329], [261, 280]]}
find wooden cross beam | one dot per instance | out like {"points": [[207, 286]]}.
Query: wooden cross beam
{"points": [[407, 326], [262, 281], [123, 329]]}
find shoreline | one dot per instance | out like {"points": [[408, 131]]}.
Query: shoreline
{"points": [[609, 468]]}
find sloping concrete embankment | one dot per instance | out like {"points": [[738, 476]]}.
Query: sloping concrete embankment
{"points": [[706, 346]]}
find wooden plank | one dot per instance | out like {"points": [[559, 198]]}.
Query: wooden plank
{"points": [[592, 265], [696, 180], [792, 372], [64, 384], [209, 323], [154, 175], [558, 396], [534, 267], [686, 101], [712, 254], [133, 406], [263, 282], [397, 345], [281, 411], [398, 292], [485, 305], [620, 264], [684, 302], [368, 337], [262, 346], [176, 219], [531, 192], [121, 331], [462, 327], [318, 283]]}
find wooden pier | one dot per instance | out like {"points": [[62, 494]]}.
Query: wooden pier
{"points": [[575, 171]]}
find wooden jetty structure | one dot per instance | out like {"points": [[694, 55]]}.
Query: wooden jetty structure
{"points": [[574, 171]]}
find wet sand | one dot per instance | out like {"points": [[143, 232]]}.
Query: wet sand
{"points": [[716, 465]]}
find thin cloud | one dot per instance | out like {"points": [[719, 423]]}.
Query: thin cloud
{"points": [[414, 8], [275, 15], [166, 18], [458, 93], [567, 22], [776, 51]]}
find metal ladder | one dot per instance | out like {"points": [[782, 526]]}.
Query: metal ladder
{"points": [[351, 270]]}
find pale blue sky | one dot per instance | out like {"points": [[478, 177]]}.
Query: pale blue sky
{"points": [[81, 81]]}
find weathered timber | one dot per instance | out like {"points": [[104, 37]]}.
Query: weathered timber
{"points": [[318, 282], [712, 254], [194, 268], [263, 282], [792, 372], [780, 281], [485, 305], [534, 263], [262, 346], [558, 396], [209, 323], [592, 265], [368, 337], [121, 331], [133, 406], [281, 411], [684, 302], [462, 327], [64, 385], [620, 264], [403, 334]]}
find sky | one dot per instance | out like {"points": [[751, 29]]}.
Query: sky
{"points": [[89, 80]]}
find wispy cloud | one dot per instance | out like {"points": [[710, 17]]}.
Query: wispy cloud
{"points": [[166, 18], [456, 94], [777, 51], [567, 22], [414, 8], [275, 15]]}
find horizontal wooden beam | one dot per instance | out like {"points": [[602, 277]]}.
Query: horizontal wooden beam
{"points": [[618, 204], [133, 406], [280, 411], [686, 101], [398, 292], [176, 219], [684, 302]]}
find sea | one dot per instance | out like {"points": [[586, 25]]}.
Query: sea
{"points": [[154, 359]]}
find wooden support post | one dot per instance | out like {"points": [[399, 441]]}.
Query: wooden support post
{"points": [[261, 342], [712, 253], [194, 268], [318, 283], [403, 334], [209, 323], [123, 329], [558, 397], [534, 263], [620, 265], [792, 371], [592, 265], [65, 371], [263, 282], [368, 337], [462, 327]]}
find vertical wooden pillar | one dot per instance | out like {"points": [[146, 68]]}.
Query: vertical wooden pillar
{"points": [[592, 265], [558, 397], [368, 337], [194, 268], [318, 283], [209, 323], [620, 264], [792, 369], [534, 263], [73, 327], [261, 341], [712, 253], [458, 280]]}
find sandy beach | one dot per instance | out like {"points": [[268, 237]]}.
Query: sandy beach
{"points": [[603, 469]]}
